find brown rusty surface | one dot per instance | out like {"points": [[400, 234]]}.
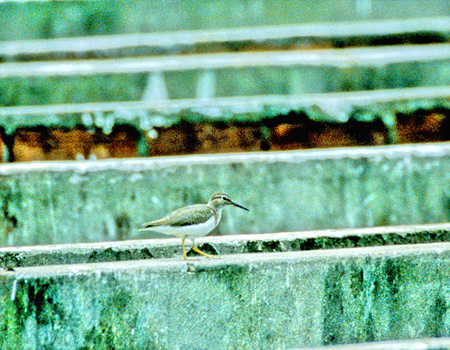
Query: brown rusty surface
{"points": [[288, 132], [40, 144]]}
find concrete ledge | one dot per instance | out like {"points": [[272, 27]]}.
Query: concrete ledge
{"points": [[415, 344], [144, 115], [189, 39], [74, 202], [234, 244], [245, 301], [338, 58]]}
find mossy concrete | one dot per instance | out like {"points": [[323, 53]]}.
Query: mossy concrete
{"points": [[12, 257], [70, 202], [244, 301]]}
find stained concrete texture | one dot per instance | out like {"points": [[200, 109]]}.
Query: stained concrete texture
{"points": [[238, 74], [416, 344], [69, 202], [145, 115], [107, 17], [247, 301], [12, 257]]}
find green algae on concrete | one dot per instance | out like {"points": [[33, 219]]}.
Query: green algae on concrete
{"points": [[269, 300], [69, 202], [41, 255]]}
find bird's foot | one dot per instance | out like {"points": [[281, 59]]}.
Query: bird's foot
{"points": [[195, 249]]}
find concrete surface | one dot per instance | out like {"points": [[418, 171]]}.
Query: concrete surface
{"points": [[416, 344], [68, 19], [12, 257], [189, 40], [70, 202], [145, 115], [235, 74], [245, 301]]}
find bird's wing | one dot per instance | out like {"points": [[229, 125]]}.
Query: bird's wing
{"points": [[184, 217]]}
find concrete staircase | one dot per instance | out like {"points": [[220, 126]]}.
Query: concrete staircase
{"points": [[343, 248]]}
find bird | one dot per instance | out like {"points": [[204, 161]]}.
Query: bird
{"points": [[193, 221]]}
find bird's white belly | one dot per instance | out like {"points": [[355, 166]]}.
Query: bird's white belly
{"points": [[190, 231]]}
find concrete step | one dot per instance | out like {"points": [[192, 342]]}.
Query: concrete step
{"points": [[414, 344], [189, 41], [81, 253], [362, 106], [233, 74], [279, 300], [75, 202]]}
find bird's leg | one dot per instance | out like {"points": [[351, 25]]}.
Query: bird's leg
{"points": [[195, 249], [184, 247]]}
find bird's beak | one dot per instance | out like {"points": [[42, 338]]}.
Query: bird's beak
{"points": [[239, 206]]}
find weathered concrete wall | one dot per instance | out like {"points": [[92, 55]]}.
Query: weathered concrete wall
{"points": [[69, 202], [246, 301], [66, 19]]}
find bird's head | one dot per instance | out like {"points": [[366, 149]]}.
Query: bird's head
{"points": [[219, 200]]}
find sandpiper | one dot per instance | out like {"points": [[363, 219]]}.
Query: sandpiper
{"points": [[193, 221]]}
